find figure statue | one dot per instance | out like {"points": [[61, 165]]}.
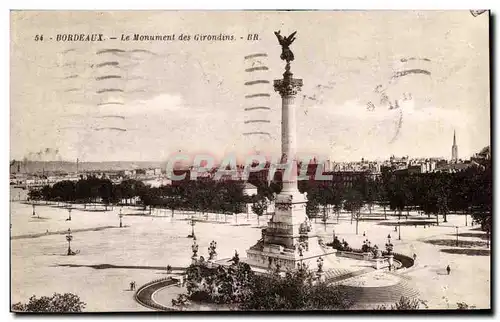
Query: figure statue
{"points": [[236, 258], [194, 247], [320, 264], [301, 249], [285, 42], [212, 250], [303, 228]]}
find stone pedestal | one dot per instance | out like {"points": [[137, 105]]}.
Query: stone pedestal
{"points": [[321, 276], [379, 263], [289, 234], [289, 237], [194, 260], [390, 260]]}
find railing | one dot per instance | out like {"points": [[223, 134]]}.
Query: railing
{"points": [[404, 260], [147, 301]]}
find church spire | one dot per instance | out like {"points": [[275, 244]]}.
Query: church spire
{"points": [[454, 148]]}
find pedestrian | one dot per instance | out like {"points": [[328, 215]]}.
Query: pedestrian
{"points": [[414, 257], [448, 269], [131, 286], [364, 234]]}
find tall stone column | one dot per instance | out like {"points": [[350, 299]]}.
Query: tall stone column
{"points": [[288, 88], [289, 237]]}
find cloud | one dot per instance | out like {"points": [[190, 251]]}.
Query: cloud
{"points": [[163, 103], [351, 132]]}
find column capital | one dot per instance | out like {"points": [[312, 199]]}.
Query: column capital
{"points": [[288, 86]]}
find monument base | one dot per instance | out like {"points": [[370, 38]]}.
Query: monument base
{"points": [[270, 256], [289, 237]]}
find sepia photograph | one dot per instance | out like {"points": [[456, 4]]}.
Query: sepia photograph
{"points": [[251, 161]]}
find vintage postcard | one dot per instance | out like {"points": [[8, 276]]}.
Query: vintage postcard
{"points": [[250, 161]]}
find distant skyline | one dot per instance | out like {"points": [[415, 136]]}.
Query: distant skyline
{"points": [[189, 96]]}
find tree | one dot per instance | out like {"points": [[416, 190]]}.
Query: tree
{"points": [[65, 190], [398, 194], [323, 196], [482, 198], [172, 203], [131, 188], [383, 190], [353, 203], [117, 194], [35, 194], [404, 304], [312, 207], [259, 207], [82, 191], [442, 205], [46, 193], [234, 196], [337, 200], [64, 303], [370, 192], [105, 192]]}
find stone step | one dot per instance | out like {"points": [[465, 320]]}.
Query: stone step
{"points": [[348, 275], [386, 294]]}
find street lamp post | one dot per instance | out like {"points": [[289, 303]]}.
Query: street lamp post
{"points": [[466, 219], [69, 238], [120, 216], [301, 254], [389, 247], [399, 228], [194, 258], [212, 250], [192, 228]]}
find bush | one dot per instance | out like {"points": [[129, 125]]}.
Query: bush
{"points": [[238, 284], [67, 303], [403, 304], [338, 245], [465, 306], [294, 291]]}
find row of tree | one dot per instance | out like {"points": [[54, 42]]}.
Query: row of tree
{"points": [[90, 189], [468, 191], [201, 195]]}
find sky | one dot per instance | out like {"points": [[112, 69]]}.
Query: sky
{"points": [[188, 96]]}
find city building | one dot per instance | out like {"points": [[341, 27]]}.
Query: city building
{"points": [[249, 189]]}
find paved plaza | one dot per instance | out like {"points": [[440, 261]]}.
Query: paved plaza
{"points": [[110, 257]]}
